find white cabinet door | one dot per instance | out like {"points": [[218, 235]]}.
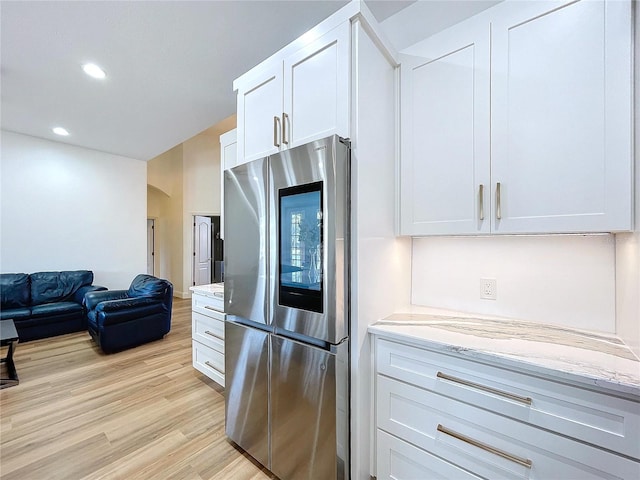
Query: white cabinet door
{"points": [[316, 89], [228, 159], [445, 133], [259, 111], [292, 101], [561, 116]]}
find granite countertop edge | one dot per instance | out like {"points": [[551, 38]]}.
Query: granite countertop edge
{"points": [[595, 361], [209, 290]]}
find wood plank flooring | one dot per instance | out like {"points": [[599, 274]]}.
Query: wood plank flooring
{"points": [[144, 413]]}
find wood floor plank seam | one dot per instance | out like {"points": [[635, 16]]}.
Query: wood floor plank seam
{"points": [[144, 413]]}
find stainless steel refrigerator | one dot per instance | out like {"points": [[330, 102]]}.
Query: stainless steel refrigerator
{"points": [[287, 225]]}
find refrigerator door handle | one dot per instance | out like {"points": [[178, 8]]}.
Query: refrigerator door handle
{"points": [[245, 322]]}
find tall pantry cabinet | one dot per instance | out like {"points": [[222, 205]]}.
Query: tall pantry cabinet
{"points": [[339, 78], [519, 120]]}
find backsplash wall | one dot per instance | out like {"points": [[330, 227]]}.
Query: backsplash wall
{"points": [[565, 280]]}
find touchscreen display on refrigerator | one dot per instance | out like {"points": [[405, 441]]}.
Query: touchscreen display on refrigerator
{"points": [[300, 247]]}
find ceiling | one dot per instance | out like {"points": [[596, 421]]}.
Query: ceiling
{"points": [[169, 64]]}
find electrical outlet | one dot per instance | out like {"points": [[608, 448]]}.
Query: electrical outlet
{"points": [[488, 288]]}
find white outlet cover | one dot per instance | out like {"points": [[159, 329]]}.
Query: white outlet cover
{"points": [[488, 288]]}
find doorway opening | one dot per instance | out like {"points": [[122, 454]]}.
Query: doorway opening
{"points": [[151, 245], [207, 250]]}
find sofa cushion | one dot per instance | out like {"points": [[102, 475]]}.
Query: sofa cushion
{"points": [[147, 286], [55, 309], [14, 290], [15, 313], [49, 287]]}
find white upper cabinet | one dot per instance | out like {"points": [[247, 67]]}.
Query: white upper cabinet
{"points": [[559, 98], [561, 116], [445, 134], [259, 105], [228, 159], [290, 101]]}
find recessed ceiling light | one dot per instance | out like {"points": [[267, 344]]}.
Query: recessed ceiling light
{"points": [[60, 131], [93, 70]]}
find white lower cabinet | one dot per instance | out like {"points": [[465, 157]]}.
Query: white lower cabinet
{"points": [[207, 333], [441, 416]]}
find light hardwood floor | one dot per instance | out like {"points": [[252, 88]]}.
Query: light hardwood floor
{"points": [[144, 413]]}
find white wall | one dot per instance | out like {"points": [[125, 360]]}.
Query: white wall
{"points": [[70, 208], [201, 184], [563, 280], [186, 182], [166, 206]]}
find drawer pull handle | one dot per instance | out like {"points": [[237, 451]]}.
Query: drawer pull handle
{"points": [[495, 391], [208, 307], [210, 333], [209, 364], [496, 451]]}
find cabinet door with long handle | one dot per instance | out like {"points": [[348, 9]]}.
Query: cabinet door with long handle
{"points": [[259, 105], [561, 117], [445, 133], [316, 89]]}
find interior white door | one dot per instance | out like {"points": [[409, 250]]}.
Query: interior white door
{"points": [[150, 245], [561, 117], [202, 250]]}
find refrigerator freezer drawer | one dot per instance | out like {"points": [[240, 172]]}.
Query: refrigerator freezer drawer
{"points": [[309, 426], [247, 389]]}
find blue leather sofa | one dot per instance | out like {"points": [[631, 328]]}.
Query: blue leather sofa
{"points": [[121, 319], [45, 304]]}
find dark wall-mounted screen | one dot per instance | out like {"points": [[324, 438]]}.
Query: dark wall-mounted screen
{"points": [[300, 262]]}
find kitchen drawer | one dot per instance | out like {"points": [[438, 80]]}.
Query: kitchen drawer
{"points": [[208, 331], [402, 461], [210, 306], [488, 444], [208, 361], [604, 420]]}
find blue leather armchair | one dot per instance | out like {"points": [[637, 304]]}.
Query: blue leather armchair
{"points": [[121, 319]]}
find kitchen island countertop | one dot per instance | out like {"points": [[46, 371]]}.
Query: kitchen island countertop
{"points": [[582, 358], [213, 290]]}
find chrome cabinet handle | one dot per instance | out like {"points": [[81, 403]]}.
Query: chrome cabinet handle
{"points": [[210, 333], [285, 119], [481, 194], [496, 451], [276, 123], [209, 364], [495, 391], [498, 202], [208, 307]]}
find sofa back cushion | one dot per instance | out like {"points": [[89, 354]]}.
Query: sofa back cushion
{"points": [[14, 290], [49, 287], [148, 286]]}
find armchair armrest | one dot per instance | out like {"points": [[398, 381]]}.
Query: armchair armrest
{"points": [[91, 299], [125, 309], [78, 297]]}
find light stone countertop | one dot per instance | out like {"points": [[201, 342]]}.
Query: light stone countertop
{"points": [[213, 290], [573, 356]]}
